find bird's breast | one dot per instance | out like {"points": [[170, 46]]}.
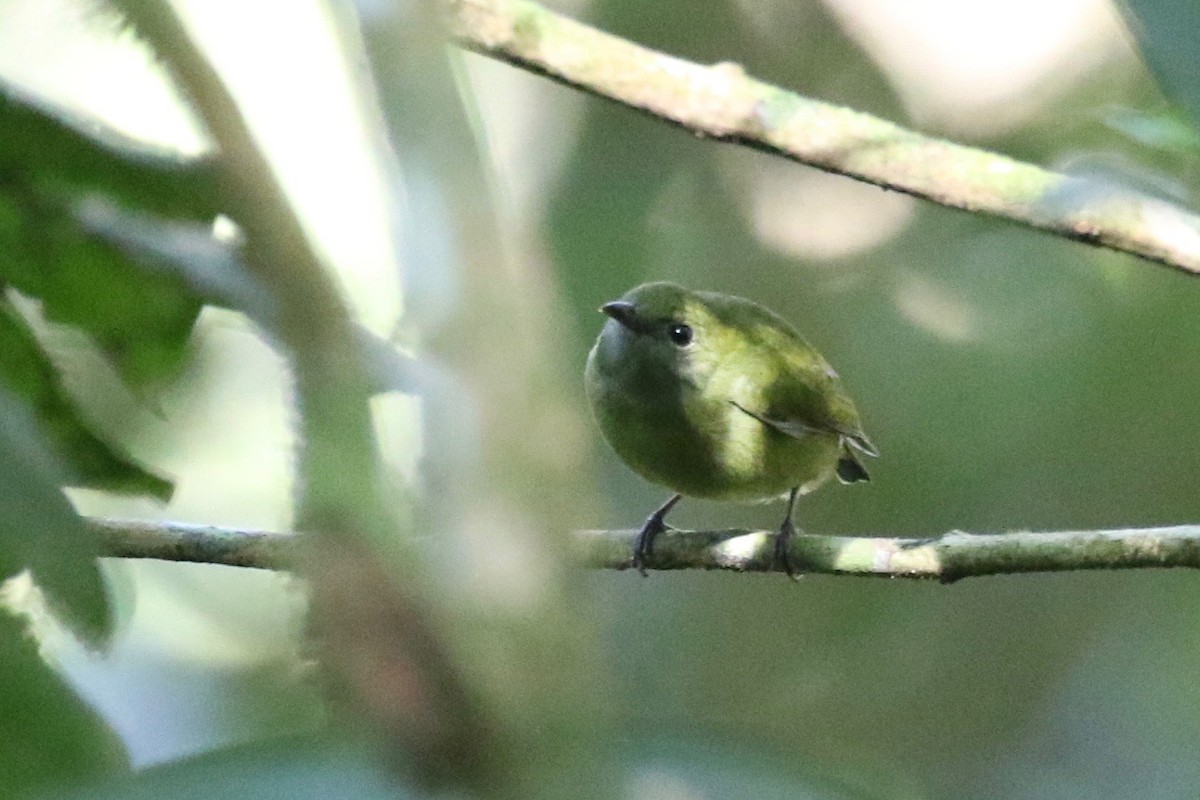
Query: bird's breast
{"points": [[693, 439]]}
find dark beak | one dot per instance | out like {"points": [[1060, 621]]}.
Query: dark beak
{"points": [[622, 312]]}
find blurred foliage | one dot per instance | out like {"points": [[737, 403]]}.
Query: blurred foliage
{"points": [[297, 768], [63, 152], [50, 738], [1166, 35], [139, 317], [33, 378], [40, 531], [490, 447]]}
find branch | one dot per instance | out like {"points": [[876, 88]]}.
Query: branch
{"points": [[197, 544], [723, 103], [947, 558]]}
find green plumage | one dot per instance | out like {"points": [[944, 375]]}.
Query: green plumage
{"points": [[715, 396]]}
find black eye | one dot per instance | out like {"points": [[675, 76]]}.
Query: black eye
{"points": [[680, 334]]}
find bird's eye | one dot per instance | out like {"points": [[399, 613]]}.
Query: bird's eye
{"points": [[680, 334]]}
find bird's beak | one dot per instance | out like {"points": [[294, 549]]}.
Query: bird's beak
{"points": [[622, 312]]}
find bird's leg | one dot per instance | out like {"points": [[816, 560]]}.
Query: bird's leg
{"points": [[787, 529], [643, 545]]}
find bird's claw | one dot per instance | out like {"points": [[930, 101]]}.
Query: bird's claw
{"points": [[643, 545], [786, 531]]}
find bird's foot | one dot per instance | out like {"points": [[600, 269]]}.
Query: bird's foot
{"points": [[643, 545], [786, 531]]}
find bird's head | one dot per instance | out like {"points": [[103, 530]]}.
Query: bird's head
{"points": [[666, 329]]}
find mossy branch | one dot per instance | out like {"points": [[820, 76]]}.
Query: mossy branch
{"points": [[947, 558], [721, 102]]}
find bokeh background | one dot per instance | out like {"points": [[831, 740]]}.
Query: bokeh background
{"points": [[1012, 381]]}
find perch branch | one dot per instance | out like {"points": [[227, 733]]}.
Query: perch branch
{"points": [[721, 102], [946, 558]]}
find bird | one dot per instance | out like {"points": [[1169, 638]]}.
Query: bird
{"points": [[714, 396]]}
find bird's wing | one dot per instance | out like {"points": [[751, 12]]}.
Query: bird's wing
{"points": [[850, 469], [807, 397]]}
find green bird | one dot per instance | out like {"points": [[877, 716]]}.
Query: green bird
{"points": [[714, 396]]}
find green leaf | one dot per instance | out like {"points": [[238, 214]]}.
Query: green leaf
{"points": [[212, 268], [49, 738], [40, 531], [27, 372], [63, 153], [140, 318], [51, 162]]}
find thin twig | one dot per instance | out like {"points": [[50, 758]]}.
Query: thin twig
{"points": [[722, 102], [198, 544], [947, 558]]}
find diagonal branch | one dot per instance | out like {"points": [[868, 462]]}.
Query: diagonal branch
{"points": [[947, 558], [722, 102]]}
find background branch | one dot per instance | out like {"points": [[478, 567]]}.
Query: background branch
{"points": [[199, 544], [722, 102], [947, 558]]}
